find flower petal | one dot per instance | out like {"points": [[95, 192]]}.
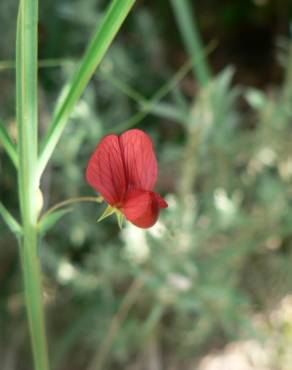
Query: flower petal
{"points": [[140, 160], [142, 208], [105, 171], [162, 202]]}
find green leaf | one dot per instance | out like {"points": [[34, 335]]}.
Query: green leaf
{"points": [[108, 212], [8, 144], [10, 220], [49, 220], [100, 43]]}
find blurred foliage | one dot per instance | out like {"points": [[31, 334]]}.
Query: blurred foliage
{"points": [[221, 253]]}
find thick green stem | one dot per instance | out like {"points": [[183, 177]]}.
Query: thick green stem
{"points": [[27, 119], [33, 297]]}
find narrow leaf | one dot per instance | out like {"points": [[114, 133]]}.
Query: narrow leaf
{"points": [[188, 26], [48, 221], [123, 87], [160, 93], [10, 220], [8, 144], [169, 111], [100, 43]]}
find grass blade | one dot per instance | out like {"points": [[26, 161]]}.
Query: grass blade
{"points": [[8, 144], [93, 56], [189, 30]]}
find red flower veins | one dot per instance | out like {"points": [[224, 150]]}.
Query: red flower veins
{"points": [[124, 170]]}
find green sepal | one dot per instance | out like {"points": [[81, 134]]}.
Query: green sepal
{"points": [[120, 218], [108, 212]]}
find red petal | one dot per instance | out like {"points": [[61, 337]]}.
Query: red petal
{"points": [[162, 202], [142, 208], [140, 160], [105, 171]]}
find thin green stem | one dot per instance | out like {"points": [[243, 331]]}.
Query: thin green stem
{"points": [[123, 87], [99, 358], [42, 63], [10, 220], [8, 144], [72, 201], [100, 43], [27, 119], [187, 23], [147, 106]]}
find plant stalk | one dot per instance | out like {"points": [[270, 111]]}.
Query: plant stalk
{"points": [[27, 119], [33, 297]]}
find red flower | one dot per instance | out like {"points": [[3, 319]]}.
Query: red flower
{"points": [[124, 170]]}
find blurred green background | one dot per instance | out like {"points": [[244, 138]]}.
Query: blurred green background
{"points": [[211, 284]]}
